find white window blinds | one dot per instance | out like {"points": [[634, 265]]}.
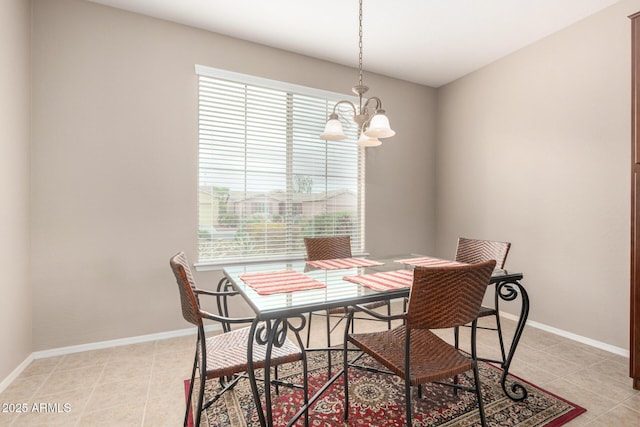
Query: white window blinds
{"points": [[266, 179]]}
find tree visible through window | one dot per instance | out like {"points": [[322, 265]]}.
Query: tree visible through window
{"points": [[266, 179]]}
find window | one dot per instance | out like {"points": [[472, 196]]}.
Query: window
{"points": [[266, 179]]}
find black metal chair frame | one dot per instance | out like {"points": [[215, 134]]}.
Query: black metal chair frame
{"points": [[407, 368], [455, 386], [487, 311], [222, 294]]}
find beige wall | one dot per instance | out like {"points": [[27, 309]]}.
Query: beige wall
{"points": [[115, 137], [15, 291], [535, 149]]}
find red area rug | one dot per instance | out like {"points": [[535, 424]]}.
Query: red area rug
{"points": [[378, 400]]}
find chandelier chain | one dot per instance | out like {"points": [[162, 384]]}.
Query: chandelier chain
{"points": [[372, 124], [360, 43]]}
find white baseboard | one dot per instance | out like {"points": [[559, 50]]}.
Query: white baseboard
{"points": [[61, 351], [119, 342], [575, 337], [15, 373]]}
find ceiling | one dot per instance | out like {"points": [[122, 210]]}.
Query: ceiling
{"points": [[431, 42]]}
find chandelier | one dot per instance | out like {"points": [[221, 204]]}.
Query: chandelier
{"points": [[370, 117]]}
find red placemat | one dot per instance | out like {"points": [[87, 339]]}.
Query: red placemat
{"points": [[385, 280], [338, 263], [272, 282], [426, 261]]}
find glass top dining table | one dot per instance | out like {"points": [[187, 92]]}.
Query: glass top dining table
{"points": [[331, 288], [336, 292]]}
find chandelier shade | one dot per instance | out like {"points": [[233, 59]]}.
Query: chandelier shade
{"points": [[379, 126], [368, 115], [333, 129], [368, 141]]}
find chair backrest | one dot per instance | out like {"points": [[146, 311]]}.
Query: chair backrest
{"points": [[444, 297], [186, 284], [472, 251], [319, 248]]}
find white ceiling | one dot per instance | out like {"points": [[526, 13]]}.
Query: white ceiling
{"points": [[431, 42]]}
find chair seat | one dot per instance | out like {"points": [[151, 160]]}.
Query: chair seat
{"points": [[432, 359], [487, 311], [227, 353]]}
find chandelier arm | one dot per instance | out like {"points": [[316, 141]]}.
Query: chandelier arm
{"points": [[376, 99], [365, 111], [364, 125], [349, 103]]}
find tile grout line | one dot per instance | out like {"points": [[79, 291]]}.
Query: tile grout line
{"points": [[146, 401], [37, 389], [608, 412], [629, 407], [93, 389]]}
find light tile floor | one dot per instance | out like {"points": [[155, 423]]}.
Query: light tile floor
{"points": [[142, 384]]}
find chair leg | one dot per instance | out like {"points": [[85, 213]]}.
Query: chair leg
{"points": [[476, 373], [476, 377], [407, 393], [499, 331], [328, 324], [309, 328], [345, 380], [202, 364], [193, 376], [196, 422], [456, 344], [305, 387], [456, 337], [496, 305], [345, 365], [455, 382]]}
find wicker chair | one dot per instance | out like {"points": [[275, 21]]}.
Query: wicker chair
{"points": [[441, 297], [472, 251], [319, 248], [223, 356]]}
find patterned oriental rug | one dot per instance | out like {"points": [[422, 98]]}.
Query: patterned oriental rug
{"points": [[377, 400]]}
